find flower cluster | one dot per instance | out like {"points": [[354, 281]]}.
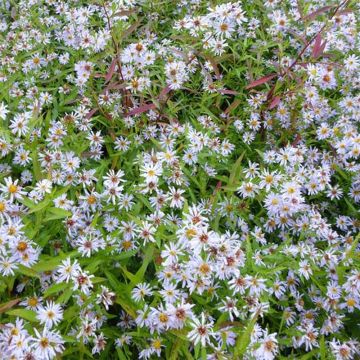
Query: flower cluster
{"points": [[179, 180]]}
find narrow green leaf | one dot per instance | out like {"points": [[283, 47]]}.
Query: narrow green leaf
{"points": [[55, 289], [235, 172], [49, 263], [56, 213], [243, 341], [322, 348], [24, 314], [65, 296]]}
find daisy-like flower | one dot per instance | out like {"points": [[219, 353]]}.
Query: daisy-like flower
{"points": [[229, 305], [19, 125], [87, 328], [67, 271], [305, 269], [343, 351], [113, 193], [170, 253], [12, 189], [124, 339], [181, 313], [147, 232], [175, 197], [22, 157], [20, 344], [47, 345], [156, 346], [8, 265], [4, 206], [32, 302], [106, 297], [151, 172], [44, 187], [83, 282], [268, 348], [256, 285], [95, 138], [3, 111], [113, 178], [83, 69], [201, 331], [99, 343], [50, 314], [122, 144], [352, 63], [140, 291]]}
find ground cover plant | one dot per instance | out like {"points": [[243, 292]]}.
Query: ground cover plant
{"points": [[179, 179]]}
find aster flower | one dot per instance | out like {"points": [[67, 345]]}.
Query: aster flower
{"points": [[50, 314]]}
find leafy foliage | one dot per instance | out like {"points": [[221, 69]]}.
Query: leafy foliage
{"points": [[179, 180]]}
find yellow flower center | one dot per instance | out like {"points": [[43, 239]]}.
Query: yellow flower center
{"points": [[33, 301], [13, 188]]}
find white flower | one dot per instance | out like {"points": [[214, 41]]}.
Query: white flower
{"points": [[151, 172], [175, 197], [19, 125], [67, 271], [267, 349], [44, 186], [352, 63], [83, 281], [3, 111], [50, 315], [305, 269], [12, 188], [7, 265], [201, 331], [47, 345], [140, 291]]}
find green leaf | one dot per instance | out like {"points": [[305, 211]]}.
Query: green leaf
{"points": [[175, 349], [138, 277], [197, 350], [36, 165], [145, 201], [129, 275], [71, 312], [146, 261], [50, 263], [40, 206], [309, 355], [203, 353], [27, 271], [351, 207], [114, 282], [24, 314], [249, 253], [56, 213], [322, 348], [126, 305], [235, 172], [55, 289], [65, 296], [243, 341], [125, 255], [121, 354], [69, 339], [123, 297]]}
